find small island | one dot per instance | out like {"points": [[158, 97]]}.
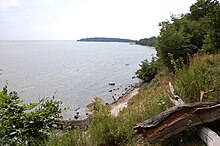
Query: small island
{"points": [[103, 39]]}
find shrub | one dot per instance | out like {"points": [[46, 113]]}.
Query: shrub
{"points": [[148, 70], [25, 124]]}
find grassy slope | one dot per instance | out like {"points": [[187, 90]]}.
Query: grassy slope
{"points": [[203, 74]]}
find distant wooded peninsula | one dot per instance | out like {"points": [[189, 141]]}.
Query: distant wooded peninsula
{"points": [[145, 42], [103, 39]]}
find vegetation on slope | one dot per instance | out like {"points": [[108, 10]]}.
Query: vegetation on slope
{"points": [[183, 36], [202, 75]]}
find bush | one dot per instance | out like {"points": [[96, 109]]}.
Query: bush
{"points": [[26, 124], [148, 70]]}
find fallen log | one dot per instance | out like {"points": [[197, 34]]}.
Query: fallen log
{"points": [[177, 119], [181, 117], [60, 124]]}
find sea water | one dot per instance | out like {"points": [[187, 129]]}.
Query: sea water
{"points": [[75, 72]]}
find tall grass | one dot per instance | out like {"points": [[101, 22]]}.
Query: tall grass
{"points": [[203, 74], [76, 137]]}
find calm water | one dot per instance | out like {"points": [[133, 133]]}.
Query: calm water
{"points": [[75, 72]]}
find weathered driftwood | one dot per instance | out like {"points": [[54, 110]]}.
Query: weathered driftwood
{"points": [[72, 123], [179, 118], [177, 100], [206, 134]]}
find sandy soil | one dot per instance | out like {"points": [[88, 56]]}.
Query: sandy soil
{"points": [[122, 102]]}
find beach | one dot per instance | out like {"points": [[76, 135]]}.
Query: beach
{"points": [[122, 102]]}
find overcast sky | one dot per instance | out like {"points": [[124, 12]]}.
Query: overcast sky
{"points": [[75, 19]]}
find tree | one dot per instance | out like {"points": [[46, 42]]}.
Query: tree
{"points": [[212, 38], [206, 12], [184, 36], [176, 38], [201, 8], [148, 70], [148, 41]]}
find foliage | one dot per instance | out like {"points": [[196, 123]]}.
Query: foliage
{"points": [[67, 137], [202, 75], [212, 38], [148, 41], [185, 35], [177, 39], [148, 70], [25, 124], [201, 8]]}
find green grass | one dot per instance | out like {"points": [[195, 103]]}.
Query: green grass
{"points": [[202, 75], [76, 137]]}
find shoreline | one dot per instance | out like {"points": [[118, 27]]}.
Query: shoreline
{"points": [[115, 108], [122, 101]]}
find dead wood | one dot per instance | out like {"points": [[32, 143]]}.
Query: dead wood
{"points": [[60, 124], [181, 117], [177, 119], [203, 94]]}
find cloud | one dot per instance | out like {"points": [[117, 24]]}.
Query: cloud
{"points": [[5, 5]]}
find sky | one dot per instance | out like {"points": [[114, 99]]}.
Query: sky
{"points": [[75, 19]]}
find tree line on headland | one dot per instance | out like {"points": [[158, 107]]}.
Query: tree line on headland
{"points": [[103, 39], [145, 42]]}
